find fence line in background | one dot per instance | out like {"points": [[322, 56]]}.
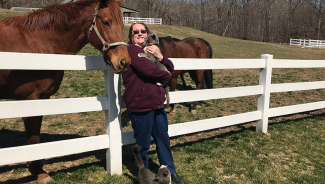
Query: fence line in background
{"points": [[24, 9], [308, 43], [144, 20], [112, 103]]}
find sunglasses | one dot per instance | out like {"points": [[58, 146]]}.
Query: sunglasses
{"points": [[137, 32]]}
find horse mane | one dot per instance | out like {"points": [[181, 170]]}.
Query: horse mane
{"points": [[168, 39], [57, 16]]}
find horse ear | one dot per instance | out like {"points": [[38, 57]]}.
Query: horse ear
{"points": [[118, 2], [103, 3], [156, 38]]}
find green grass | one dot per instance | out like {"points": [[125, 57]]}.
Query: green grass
{"points": [[291, 152]]}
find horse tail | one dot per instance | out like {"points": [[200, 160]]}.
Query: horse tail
{"points": [[208, 78], [137, 157], [208, 73]]}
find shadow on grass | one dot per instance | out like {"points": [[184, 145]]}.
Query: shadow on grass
{"points": [[127, 156], [242, 129], [11, 138]]}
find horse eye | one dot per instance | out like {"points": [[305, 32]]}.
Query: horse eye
{"points": [[105, 23]]}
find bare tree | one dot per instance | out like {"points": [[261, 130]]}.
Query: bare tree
{"points": [[319, 10], [3, 2], [291, 8]]}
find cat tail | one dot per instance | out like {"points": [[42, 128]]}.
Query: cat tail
{"points": [[137, 157], [167, 96]]}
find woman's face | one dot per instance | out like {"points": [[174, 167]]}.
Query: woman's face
{"points": [[139, 32]]}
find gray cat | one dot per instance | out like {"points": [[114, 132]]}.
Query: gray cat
{"points": [[152, 39], [145, 176]]}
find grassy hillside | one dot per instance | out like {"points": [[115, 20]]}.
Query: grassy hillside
{"points": [[222, 47], [235, 48], [291, 152]]}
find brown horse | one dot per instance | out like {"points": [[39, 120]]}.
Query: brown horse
{"points": [[58, 29], [188, 48]]}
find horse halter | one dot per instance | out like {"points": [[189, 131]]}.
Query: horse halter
{"points": [[106, 45]]}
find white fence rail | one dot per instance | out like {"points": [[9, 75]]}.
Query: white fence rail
{"points": [[308, 43], [112, 103], [144, 20], [23, 9]]}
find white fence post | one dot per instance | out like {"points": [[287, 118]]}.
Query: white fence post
{"points": [[300, 42], [264, 99], [320, 44], [112, 122]]}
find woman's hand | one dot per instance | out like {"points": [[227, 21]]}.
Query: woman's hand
{"points": [[153, 49]]}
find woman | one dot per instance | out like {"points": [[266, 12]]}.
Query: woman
{"points": [[145, 100]]}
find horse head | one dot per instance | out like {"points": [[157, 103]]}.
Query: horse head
{"points": [[106, 35]]}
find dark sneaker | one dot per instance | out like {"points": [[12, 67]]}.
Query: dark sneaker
{"points": [[177, 179]]}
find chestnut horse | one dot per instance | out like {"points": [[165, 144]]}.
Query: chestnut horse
{"points": [[58, 29], [188, 48]]}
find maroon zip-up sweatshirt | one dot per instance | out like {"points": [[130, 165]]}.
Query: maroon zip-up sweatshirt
{"points": [[141, 92]]}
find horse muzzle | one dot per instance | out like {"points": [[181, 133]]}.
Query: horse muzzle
{"points": [[122, 66]]}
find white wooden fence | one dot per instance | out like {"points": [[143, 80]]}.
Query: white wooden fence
{"points": [[144, 20], [112, 103], [23, 9], [308, 43]]}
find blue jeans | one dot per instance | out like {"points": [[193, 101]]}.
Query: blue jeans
{"points": [[153, 123]]}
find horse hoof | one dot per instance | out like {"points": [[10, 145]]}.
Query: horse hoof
{"points": [[193, 111], [45, 180]]}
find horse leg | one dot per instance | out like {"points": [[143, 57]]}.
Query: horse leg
{"points": [[184, 83], [173, 84], [199, 103], [33, 128], [197, 77]]}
